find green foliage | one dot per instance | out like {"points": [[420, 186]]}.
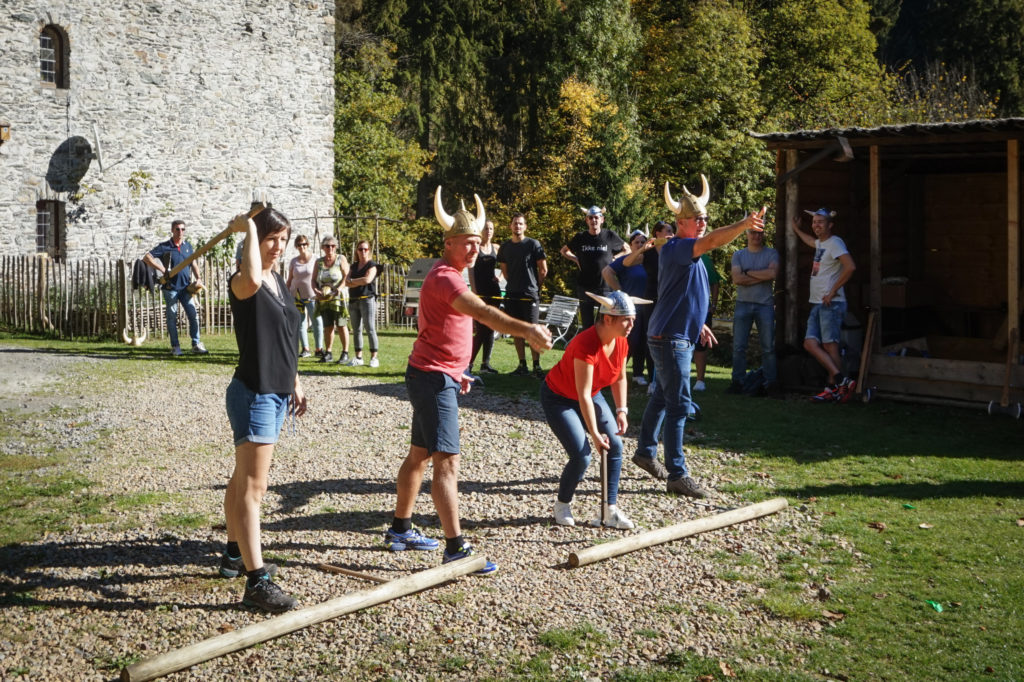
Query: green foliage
{"points": [[938, 92]]}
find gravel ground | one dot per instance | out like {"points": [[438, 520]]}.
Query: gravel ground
{"points": [[79, 604]]}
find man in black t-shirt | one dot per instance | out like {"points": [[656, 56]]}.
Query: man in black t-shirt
{"points": [[592, 250], [524, 266]]}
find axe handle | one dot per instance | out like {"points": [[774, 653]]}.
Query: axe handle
{"points": [[205, 247]]}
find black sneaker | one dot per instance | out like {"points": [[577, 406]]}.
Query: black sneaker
{"points": [[686, 486], [326, 357], [487, 369], [232, 568], [521, 371], [652, 466], [344, 357], [266, 595], [539, 372]]}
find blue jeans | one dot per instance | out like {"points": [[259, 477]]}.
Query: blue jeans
{"points": [[746, 315], [364, 311], [307, 315], [825, 323], [255, 417], [669, 404], [171, 301], [566, 421]]}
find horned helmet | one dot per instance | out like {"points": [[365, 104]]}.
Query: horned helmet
{"points": [[618, 303], [463, 222], [689, 206]]}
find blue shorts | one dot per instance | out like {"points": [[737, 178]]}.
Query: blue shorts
{"points": [[255, 417], [825, 322], [435, 410]]}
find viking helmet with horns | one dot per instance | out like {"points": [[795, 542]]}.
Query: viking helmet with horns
{"points": [[689, 206], [618, 303], [463, 221]]}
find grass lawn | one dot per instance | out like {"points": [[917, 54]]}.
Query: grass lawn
{"points": [[930, 498]]}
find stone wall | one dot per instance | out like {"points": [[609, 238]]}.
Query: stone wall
{"points": [[197, 106]]}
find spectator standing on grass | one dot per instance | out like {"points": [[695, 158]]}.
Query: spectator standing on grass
{"points": [[300, 284], [753, 272], [833, 267], [484, 283], [436, 376], [591, 250], [676, 325], [632, 280], [648, 257], [163, 258], [524, 266], [700, 351], [264, 389], [362, 289], [328, 281]]}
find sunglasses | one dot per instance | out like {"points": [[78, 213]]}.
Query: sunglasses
{"points": [[362, 248], [301, 244]]}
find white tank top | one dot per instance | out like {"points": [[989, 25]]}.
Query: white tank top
{"points": [[302, 278]]}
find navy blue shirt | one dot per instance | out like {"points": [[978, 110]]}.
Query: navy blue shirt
{"points": [[683, 293], [176, 254]]}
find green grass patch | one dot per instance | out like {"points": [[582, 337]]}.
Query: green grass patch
{"points": [[562, 639], [183, 521]]}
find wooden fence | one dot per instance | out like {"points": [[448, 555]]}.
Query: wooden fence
{"points": [[95, 299]]}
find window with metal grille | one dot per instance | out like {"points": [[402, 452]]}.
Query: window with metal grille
{"points": [[53, 57], [50, 228]]}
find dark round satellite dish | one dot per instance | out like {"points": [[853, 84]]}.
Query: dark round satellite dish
{"points": [[69, 164]]}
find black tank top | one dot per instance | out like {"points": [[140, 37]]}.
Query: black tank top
{"points": [[483, 273], [366, 290], [267, 334]]}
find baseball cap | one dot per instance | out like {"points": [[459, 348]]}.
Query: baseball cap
{"points": [[822, 212]]}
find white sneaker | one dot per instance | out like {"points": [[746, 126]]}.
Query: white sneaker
{"points": [[199, 348], [374, 362], [354, 362], [618, 519], [639, 380], [563, 514], [699, 385]]}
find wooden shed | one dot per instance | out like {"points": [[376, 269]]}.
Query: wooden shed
{"points": [[931, 214]]}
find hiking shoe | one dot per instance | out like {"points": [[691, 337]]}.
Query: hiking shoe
{"points": [[563, 514], [538, 371], [845, 389], [699, 386], [618, 519], [410, 539], [199, 348], [652, 466], [355, 362], [266, 595], [520, 371], [176, 351], [487, 369], [374, 362], [327, 356], [305, 353], [686, 486], [343, 360], [232, 568], [827, 395], [639, 380], [465, 551]]}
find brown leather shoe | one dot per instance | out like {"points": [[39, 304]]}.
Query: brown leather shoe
{"points": [[652, 466], [686, 486]]}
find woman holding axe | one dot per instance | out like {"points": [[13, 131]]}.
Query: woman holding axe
{"points": [[575, 408], [264, 389]]}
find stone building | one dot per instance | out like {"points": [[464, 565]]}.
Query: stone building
{"points": [[117, 116]]}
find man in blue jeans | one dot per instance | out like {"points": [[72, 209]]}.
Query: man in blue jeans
{"points": [[753, 272], [833, 267], [163, 258], [677, 323]]}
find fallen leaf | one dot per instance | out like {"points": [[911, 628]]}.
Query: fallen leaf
{"points": [[880, 595], [989, 669], [706, 678], [877, 525], [726, 670], [925, 526], [1020, 522], [812, 499], [832, 615], [895, 476], [225, 627]]}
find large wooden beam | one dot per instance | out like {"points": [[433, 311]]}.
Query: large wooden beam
{"points": [[875, 268], [179, 659], [660, 536], [1013, 190], [792, 250]]}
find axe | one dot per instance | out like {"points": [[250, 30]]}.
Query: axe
{"points": [[253, 212]]}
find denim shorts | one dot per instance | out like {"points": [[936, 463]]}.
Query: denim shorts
{"points": [[825, 322], [255, 417], [435, 410]]}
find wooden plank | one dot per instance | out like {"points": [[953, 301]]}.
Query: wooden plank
{"points": [[1013, 189], [792, 250], [875, 271], [933, 369], [950, 390]]}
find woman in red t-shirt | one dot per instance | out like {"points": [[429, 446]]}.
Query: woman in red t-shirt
{"points": [[575, 408]]}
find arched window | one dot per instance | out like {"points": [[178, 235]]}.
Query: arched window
{"points": [[53, 57]]}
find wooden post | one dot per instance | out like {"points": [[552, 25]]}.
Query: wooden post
{"points": [[680, 530], [792, 252], [1013, 189], [875, 272], [180, 659]]}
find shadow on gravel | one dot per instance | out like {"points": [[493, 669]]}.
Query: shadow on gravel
{"points": [[106, 570]]}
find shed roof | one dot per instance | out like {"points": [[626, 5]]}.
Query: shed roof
{"points": [[1009, 127]]}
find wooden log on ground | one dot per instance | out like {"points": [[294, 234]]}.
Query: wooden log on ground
{"points": [[680, 530], [179, 659], [331, 568]]}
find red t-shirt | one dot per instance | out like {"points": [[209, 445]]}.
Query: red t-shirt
{"points": [[586, 346], [445, 339]]}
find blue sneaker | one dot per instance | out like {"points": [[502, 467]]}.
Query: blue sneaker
{"points": [[465, 551], [410, 539]]}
